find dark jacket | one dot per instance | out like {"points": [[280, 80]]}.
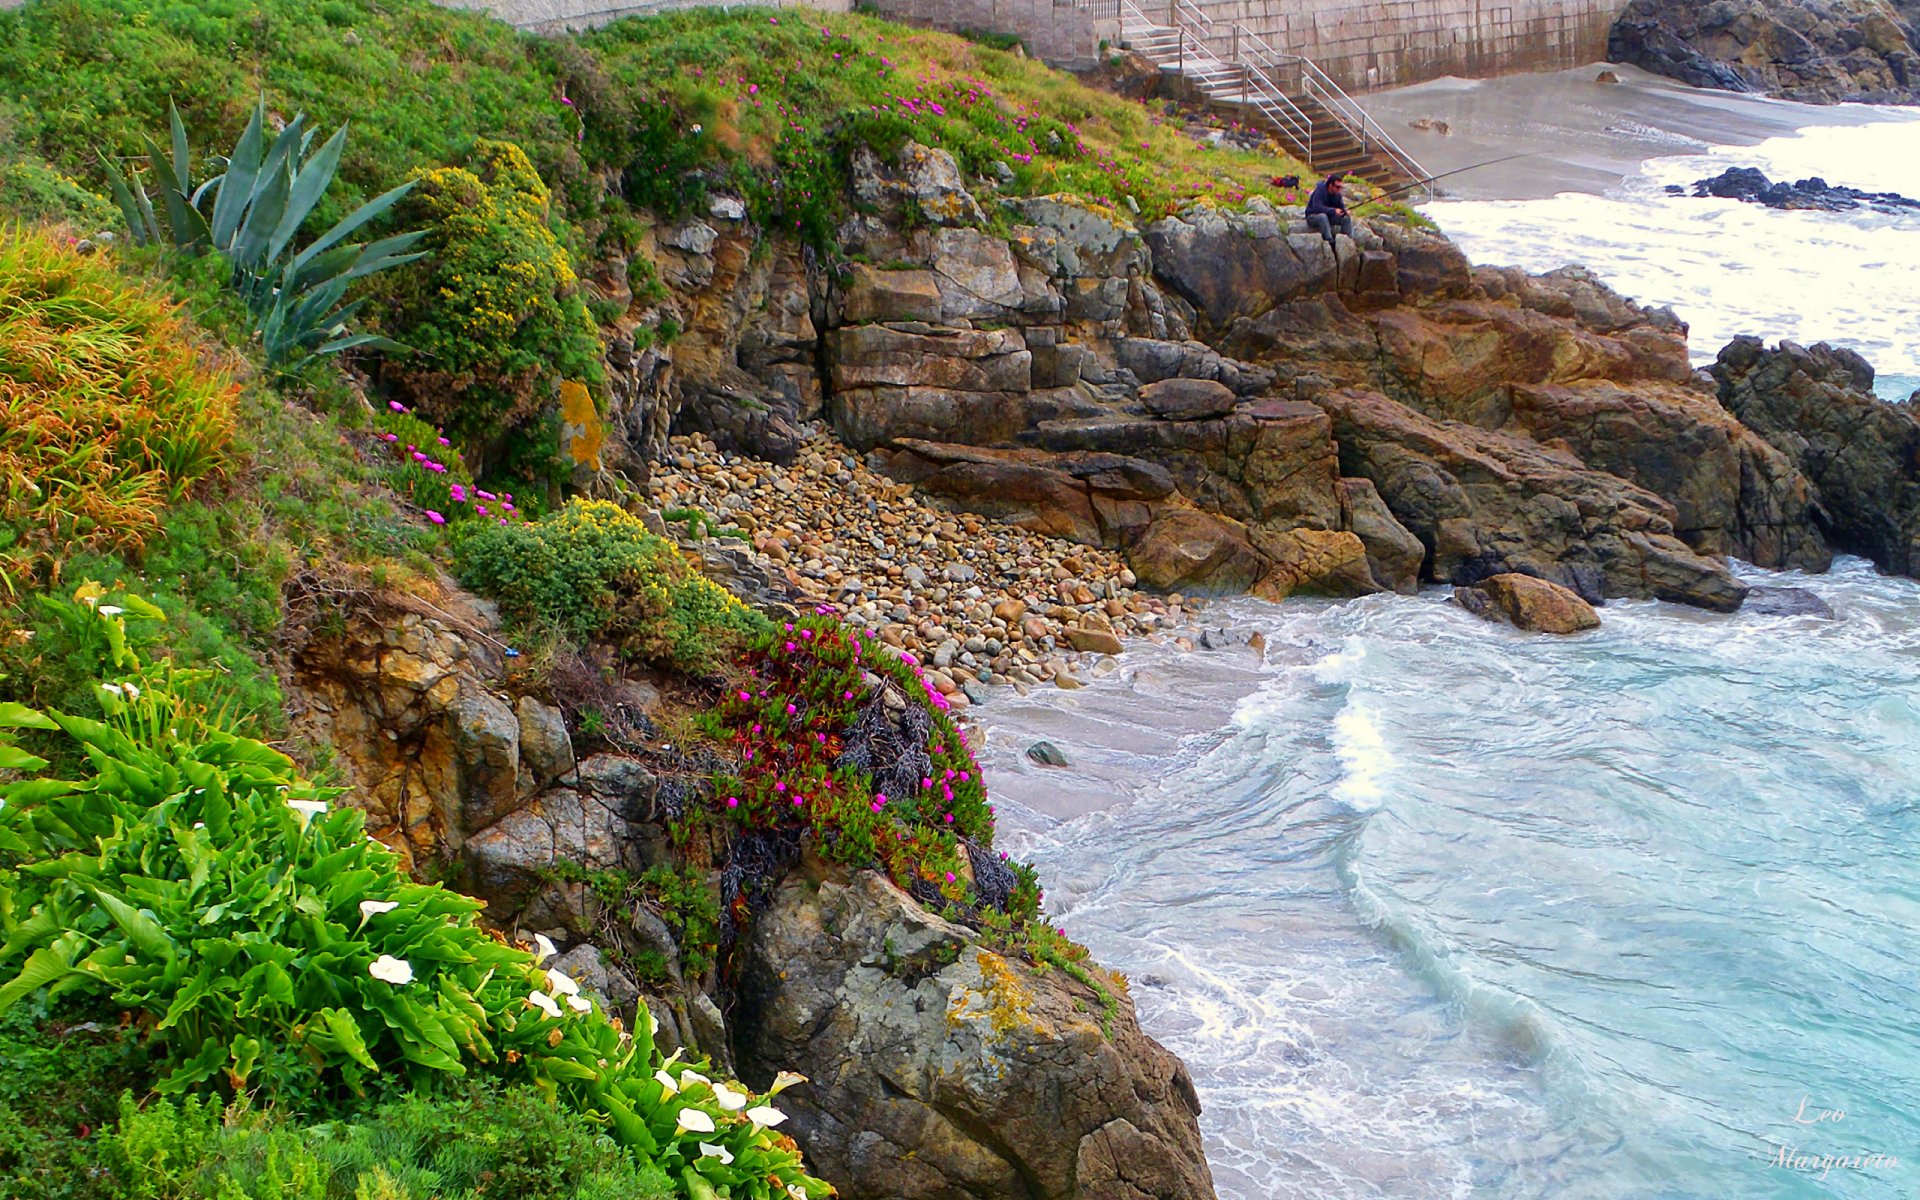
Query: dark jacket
{"points": [[1324, 201]]}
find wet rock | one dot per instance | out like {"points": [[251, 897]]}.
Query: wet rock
{"points": [[1047, 754], [1187, 550], [1745, 183], [1393, 555], [1488, 503], [1528, 603], [1816, 405], [1094, 641], [1786, 602]]}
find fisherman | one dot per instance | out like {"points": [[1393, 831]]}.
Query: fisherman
{"points": [[1327, 209]]}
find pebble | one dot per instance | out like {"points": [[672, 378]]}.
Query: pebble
{"points": [[960, 590]]}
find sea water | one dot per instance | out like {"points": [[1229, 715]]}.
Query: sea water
{"points": [[1435, 908], [1729, 267]]}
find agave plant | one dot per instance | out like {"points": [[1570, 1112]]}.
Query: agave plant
{"points": [[259, 202]]}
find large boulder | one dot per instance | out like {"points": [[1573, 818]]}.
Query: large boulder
{"points": [[1484, 502], [942, 1069], [1092, 498], [1527, 603], [1394, 556], [1817, 407], [1814, 51], [1186, 550], [1230, 266]]}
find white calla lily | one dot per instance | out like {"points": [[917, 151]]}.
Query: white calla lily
{"points": [[308, 809], [561, 985], [543, 948], [709, 1150], [692, 1120], [689, 1078], [729, 1099], [373, 908], [785, 1080], [110, 610], [666, 1081], [580, 1004], [766, 1116], [544, 1003], [389, 969]]}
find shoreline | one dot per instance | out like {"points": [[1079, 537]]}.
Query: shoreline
{"points": [[1582, 136]]}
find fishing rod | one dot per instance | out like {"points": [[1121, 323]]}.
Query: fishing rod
{"points": [[1407, 187]]}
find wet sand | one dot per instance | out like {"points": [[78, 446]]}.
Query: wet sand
{"points": [[1579, 135]]}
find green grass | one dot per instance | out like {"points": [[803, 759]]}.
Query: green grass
{"points": [[778, 96]]}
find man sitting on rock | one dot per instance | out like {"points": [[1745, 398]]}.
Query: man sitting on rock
{"points": [[1327, 210]]}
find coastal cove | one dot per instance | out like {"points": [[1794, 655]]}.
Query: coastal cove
{"points": [[1433, 908]]}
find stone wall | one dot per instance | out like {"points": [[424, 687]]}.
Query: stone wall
{"points": [[1387, 43], [1065, 32]]}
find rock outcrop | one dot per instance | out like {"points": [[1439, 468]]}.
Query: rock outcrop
{"points": [[1816, 405], [1814, 51], [939, 1067], [1187, 392], [1527, 603], [944, 1070]]}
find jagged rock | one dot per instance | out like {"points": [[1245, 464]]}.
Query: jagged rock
{"points": [[1535, 605], [1394, 556], [976, 276], [1816, 406], [1815, 194], [1237, 265], [934, 182], [1487, 503], [1188, 399], [545, 749], [1814, 51], [1732, 492], [942, 1069], [1152, 360]]}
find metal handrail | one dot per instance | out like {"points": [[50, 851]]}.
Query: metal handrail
{"points": [[1249, 50], [1271, 99]]}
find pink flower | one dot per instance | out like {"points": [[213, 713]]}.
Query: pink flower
{"points": [[791, 710], [949, 876], [733, 802], [445, 442], [481, 509], [396, 406], [780, 786], [746, 696], [435, 517]]}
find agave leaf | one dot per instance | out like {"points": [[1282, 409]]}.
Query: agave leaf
{"points": [[249, 250], [123, 196], [236, 188], [189, 227], [182, 162], [355, 341], [360, 216], [200, 192], [314, 177]]}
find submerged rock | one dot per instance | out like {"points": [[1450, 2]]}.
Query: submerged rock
{"points": [[942, 1069], [1528, 603], [1786, 602]]}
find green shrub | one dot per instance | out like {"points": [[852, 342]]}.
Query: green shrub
{"points": [[592, 570], [496, 314], [272, 946], [59, 1094]]}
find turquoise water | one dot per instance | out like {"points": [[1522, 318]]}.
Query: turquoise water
{"points": [[1437, 909]]}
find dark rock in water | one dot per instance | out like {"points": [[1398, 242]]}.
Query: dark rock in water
{"points": [[1813, 51], [1528, 603], [1786, 602], [1046, 754], [1817, 406], [1815, 193], [1606, 77]]}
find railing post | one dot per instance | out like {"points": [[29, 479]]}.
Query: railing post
{"points": [[1173, 14], [1236, 44]]}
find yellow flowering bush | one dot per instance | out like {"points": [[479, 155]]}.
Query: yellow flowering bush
{"points": [[593, 570], [495, 312]]}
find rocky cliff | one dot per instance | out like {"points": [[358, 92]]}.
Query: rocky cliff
{"points": [[1230, 403], [1814, 51], [942, 1065]]}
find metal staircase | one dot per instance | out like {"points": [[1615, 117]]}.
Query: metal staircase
{"points": [[1238, 71]]}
